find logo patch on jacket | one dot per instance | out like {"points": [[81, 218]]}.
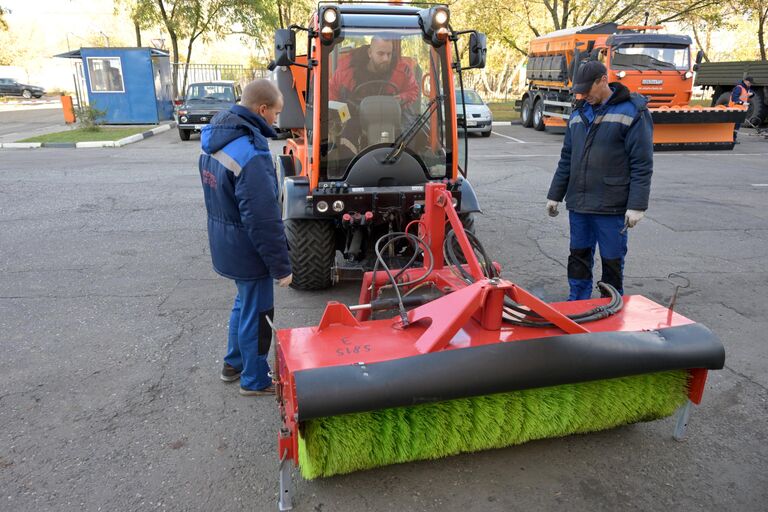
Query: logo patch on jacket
{"points": [[209, 179]]}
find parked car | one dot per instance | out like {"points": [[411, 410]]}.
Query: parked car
{"points": [[10, 87], [479, 117], [203, 101]]}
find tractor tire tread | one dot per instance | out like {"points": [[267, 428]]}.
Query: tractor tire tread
{"points": [[312, 252]]}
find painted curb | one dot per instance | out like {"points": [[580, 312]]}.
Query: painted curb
{"points": [[92, 144], [21, 145]]}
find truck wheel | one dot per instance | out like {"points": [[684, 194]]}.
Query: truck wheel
{"points": [[312, 251], [26, 93], [538, 115], [184, 134], [723, 99], [526, 112], [757, 110]]}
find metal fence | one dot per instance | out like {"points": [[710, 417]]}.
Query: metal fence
{"points": [[212, 72]]}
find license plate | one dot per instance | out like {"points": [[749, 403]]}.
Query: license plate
{"points": [[471, 123], [199, 126]]}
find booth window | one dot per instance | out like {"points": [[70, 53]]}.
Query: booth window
{"points": [[106, 74]]}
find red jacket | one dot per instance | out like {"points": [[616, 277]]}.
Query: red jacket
{"points": [[343, 82]]}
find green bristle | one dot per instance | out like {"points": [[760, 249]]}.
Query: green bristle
{"points": [[353, 442]]}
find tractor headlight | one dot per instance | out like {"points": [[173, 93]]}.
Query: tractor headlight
{"points": [[322, 206], [183, 119], [455, 201], [688, 74], [338, 206], [621, 74]]}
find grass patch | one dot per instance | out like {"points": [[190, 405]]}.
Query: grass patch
{"points": [[80, 135], [504, 111]]}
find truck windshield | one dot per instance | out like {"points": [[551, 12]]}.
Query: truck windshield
{"points": [[385, 86], [651, 56], [211, 92], [470, 98]]}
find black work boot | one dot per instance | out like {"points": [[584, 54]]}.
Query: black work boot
{"points": [[229, 373]]}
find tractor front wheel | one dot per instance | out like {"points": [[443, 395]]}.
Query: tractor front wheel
{"points": [[312, 251]]}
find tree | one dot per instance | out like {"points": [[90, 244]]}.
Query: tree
{"points": [[142, 14], [758, 10], [3, 23]]}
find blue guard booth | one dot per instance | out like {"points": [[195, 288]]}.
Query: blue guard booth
{"points": [[133, 85]]}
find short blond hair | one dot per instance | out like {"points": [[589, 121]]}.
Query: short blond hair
{"points": [[260, 92]]}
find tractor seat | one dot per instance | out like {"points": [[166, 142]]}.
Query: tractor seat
{"points": [[380, 119]]}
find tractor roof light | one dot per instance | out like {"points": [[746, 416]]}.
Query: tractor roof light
{"points": [[331, 24], [434, 23], [330, 16], [440, 18]]}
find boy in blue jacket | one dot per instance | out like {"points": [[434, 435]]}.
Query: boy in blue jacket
{"points": [[245, 227], [604, 175]]}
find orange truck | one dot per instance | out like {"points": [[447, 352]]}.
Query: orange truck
{"points": [[656, 65]]}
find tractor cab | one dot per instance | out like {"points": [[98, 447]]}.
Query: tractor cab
{"points": [[388, 118], [373, 113]]}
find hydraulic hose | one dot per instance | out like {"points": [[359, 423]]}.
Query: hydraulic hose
{"points": [[514, 313]]}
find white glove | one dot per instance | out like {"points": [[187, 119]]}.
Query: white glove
{"points": [[552, 208], [285, 281], [632, 217]]}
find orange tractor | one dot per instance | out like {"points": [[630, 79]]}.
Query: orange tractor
{"points": [[658, 66], [373, 119], [441, 355]]}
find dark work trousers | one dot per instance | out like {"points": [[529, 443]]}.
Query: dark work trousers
{"points": [[250, 336], [587, 231]]}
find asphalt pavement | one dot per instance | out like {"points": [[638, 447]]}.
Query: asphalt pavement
{"points": [[18, 122], [114, 325]]}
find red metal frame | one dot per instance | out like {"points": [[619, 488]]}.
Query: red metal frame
{"points": [[467, 315]]}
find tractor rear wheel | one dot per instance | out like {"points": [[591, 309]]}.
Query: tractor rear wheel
{"points": [[468, 223], [538, 115], [312, 251], [526, 112]]}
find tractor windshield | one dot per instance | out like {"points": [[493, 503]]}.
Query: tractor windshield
{"points": [[386, 87], [651, 56]]}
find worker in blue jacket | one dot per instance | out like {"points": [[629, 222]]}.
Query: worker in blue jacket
{"points": [[245, 227], [604, 175]]}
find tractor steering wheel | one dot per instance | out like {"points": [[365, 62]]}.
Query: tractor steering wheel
{"points": [[353, 97]]}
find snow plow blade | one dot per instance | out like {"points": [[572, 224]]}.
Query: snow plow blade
{"points": [[697, 128]]}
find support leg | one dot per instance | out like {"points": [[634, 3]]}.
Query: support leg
{"points": [[681, 421], [286, 488]]}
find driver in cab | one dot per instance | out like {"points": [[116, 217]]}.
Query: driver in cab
{"points": [[370, 70]]}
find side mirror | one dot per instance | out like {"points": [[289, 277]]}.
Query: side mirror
{"points": [[477, 50], [699, 58], [574, 63], [285, 47]]}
